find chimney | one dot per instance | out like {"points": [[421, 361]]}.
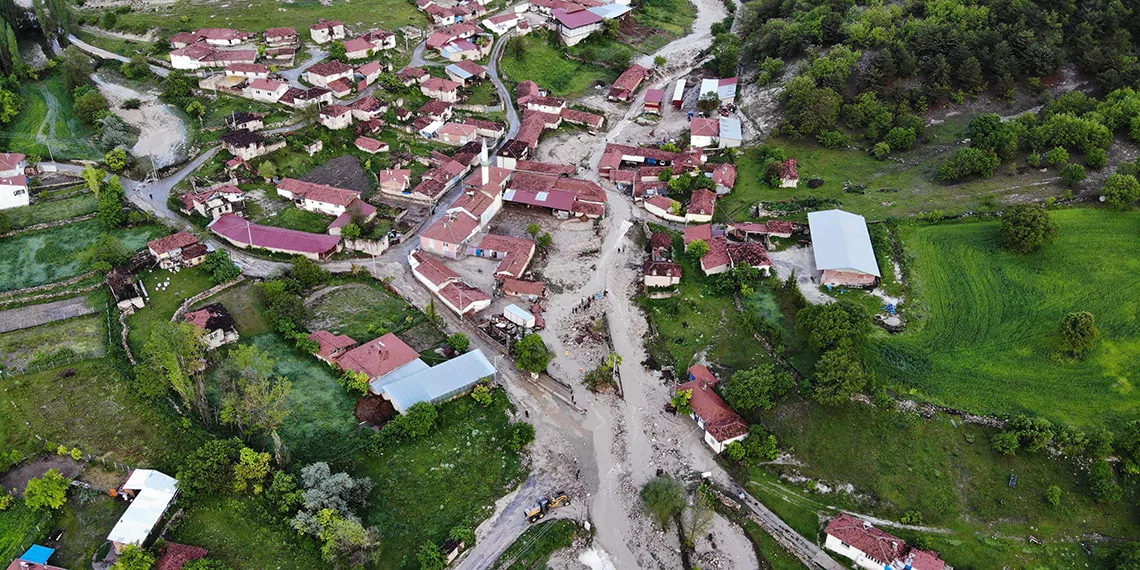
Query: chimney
{"points": [[484, 168]]}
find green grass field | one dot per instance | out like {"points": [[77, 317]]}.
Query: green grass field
{"points": [[50, 211], [293, 218], [700, 320], [948, 473], [85, 524], [257, 15], [483, 94], [321, 426], [36, 258], [424, 488], [245, 307], [544, 63], [18, 529], [49, 113], [236, 531], [917, 192], [669, 18], [359, 309], [987, 337], [161, 304], [533, 548], [93, 409], [78, 336]]}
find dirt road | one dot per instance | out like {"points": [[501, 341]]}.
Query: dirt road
{"points": [[42, 314]]}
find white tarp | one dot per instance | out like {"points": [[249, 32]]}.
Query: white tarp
{"points": [[840, 242]]}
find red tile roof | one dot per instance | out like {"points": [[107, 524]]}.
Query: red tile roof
{"points": [[578, 19], [175, 556], [518, 251], [280, 33], [702, 202], [11, 160], [526, 90], [370, 68], [662, 269], [171, 242], [750, 253], [325, 25], [545, 168], [411, 73], [267, 84], [583, 118], [628, 82], [433, 269], [399, 177], [329, 68], [238, 230], [789, 170], [331, 343], [368, 104], [452, 228], [717, 255], [211, 317], [780, 227], [358, 45], [335, 110], [379, 356], [655, 96], [429, 188], [661, 240], [340, 87], [440, 84], [318, 192], [247, 68], [720, 420], [694, 233], [702, 127], [724, 175], [512, 286], [471, 67], [876, 544], [462, 295], [370, 144]]}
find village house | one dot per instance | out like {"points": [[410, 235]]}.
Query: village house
{"points": [[466, 72], [660, 247], [526, 90], [412, 75], [180, 249], [665, 208], [371, 145], [627, 83], [465, 49], [653, 100], [13, 181], [326, 72], [370, 72], [515, 253], [266, 90], [723, 89], [486, 129], [449, 235], [500, 25], [243, 233], [358, 48], [326, 31], [436, 110], [701, 206], [281, 37], [212, 203], [217, 325], [440, 88], [661, 273], [546, 104], [331, 346], [150, 494], [35, 558], [378, 357], [380, 39], [314, 197], [335, 117], [723, 255], [842, 248], [721, 424], [456, 134], [340, 88], [245, 120], [722, 132], [248, 145], [221, 37], [873, 549], [446, 285], [724, 176], [620, 163], [367, 108], [564, 196], [511, 152], [530, 291], [789, 174], [302, 98], [202, 55], [574, 26], [394, 181], [449, 34], [282, 56], [249, 70]]}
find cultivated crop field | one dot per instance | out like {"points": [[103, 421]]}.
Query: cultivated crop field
{"points": [[35, 258], [987, 335], [360, 309], [51, 211], [55, 341]]}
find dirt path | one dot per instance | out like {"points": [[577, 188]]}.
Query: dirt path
{"points": [[17, 479], [163, 135], [36, 315]]}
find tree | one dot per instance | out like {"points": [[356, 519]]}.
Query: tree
{"points": [[307, 273], [251, 470], [760, 444], [709, 103], [177, 86], [755, 389], [838, 375], [77, 67], [531, 354], [350, 231], [110, 207], [698, 518], [1053, 496], [1096, 158], [826, 326], [339, 492], [430, 557], [284, 494], [989, 132], [196, 109], [734, 452], [94, 178], [253, 400], [48, 492], [459, 342], [967, 162], [1006, 442], [108, 252], [533, 229], [663, 498], [345, 540], [725, 50], [881, 151], [1057, 156], [1121, 190], [545, 240], [11, 104], [522, 434], [267, 170], [136, 68], [89, 104], [6, 500], [482, 395], [134, 558], [900, 138], [697, 248], [209, 470], [970, 75], [1102, 483], [1073, 174], [222, 269], [682, 402], [1026, 227], [1078, 332], [337, 52], [355, 381], [659, 61], [811, 110], [116, 160], [171, 359]]}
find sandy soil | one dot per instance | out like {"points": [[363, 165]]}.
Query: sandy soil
{"points": [[162, 135], [801, 260], [683, 51], [729, 547]]}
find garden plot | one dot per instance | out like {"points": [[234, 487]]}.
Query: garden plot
{"points": [[54, 342], [361, 310], [987, 340]]}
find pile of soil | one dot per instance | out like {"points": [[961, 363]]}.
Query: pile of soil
{"points": [[342, 172], [374, 411]]}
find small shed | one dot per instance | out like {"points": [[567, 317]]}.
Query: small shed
{"points": [[653, 100], [679, 94], [519, 316]]}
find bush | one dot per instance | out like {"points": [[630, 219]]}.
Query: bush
{"points": [[881, 151], [1096, 158], [734, 452], [47, 492], [222, 269], [1005, 443], [532, 354], [6, 500], [1026, 227], [1121, 190], [1079, 332], [1057, 156], [1053, 496], [522, 435], [459, 342], [663, 498], [1073, 174], [482, 395], [1102, 483], [833, 139], [967, 162]]}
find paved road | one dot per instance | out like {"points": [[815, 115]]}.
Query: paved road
{"points": [[104, 54], [504, 95], [804, 549], [294, 75], [36, 315]]}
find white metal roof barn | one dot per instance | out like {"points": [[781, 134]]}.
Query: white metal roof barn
{"points": [[840, 242]]}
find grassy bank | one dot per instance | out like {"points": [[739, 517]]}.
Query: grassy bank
{"points": [[51, 210], [49, 114], [987, 339], [534, 57], [36, 258], [533, 548]]}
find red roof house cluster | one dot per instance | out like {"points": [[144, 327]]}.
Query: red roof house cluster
{"points": [[627, 83], [862, 542], [721, 423]]}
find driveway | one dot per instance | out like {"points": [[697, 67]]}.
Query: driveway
{"points": [[36, 315]]}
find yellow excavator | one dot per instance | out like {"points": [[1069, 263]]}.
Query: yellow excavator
{"points": [[546, 504]]}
